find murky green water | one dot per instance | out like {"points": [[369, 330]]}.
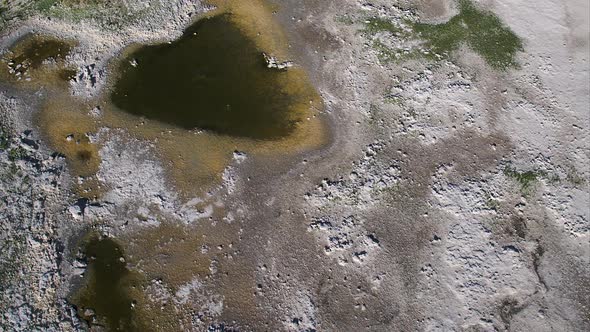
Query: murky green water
{"points": [[32, 51], [212, 78], [104, 299]]}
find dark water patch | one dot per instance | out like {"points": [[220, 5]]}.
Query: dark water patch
{"points": [[213, 78], [67, 74], [34, 50], [37, 59], [84, 155], [105, 298]]}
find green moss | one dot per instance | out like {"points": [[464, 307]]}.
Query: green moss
{"points": [[480, 30], [75, 10], [3, 14], [386, 54], [17, 153], [12, 250], [111, 14], [525, 179], [3, 9], [393, 99], [491, 203], [45, 5], [375, 25], [574, 177], [4, 139]]}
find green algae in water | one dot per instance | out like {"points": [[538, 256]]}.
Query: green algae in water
{"points": [[213, 78], [34, 50], [67, 74], [31, 52], [106, 291]]}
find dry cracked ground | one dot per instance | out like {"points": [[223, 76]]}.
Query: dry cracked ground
{"points": [[433, 174]]}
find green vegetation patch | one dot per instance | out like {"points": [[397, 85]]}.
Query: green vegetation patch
{"points": [[45, 5], [17, 153], [4, 139], [387, 54], [525, 179], [3, 8], [4, 14], [111, 14], [574, 177], [480, 30], [374, 25], [491, 202], [12, 252]]}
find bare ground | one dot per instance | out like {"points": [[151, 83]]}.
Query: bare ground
{"points": [[413, 217]]}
